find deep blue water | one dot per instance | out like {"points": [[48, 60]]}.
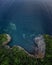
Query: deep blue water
{"points": [[24, 21]]}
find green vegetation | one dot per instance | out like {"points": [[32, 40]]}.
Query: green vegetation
{"points": [[48, 40], [3, 38], [17, 56]]}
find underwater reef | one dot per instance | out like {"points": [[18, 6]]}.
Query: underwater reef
{"points": [[18, 56]]}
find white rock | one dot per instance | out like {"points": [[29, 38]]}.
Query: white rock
{"points": [[40, 49]]}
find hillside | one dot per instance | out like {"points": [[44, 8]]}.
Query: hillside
{"points": [[17, 55]]}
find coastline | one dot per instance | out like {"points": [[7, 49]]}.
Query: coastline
{"points": [[19, 47], [39, 55], [20, 50]]}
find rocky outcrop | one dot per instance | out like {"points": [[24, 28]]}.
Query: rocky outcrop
{"points": [[40, 49], [8, 39]]}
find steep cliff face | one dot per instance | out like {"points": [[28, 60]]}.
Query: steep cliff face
{"points": [[41, 46]]}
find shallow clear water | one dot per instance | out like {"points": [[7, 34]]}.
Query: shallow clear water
{"points": [[24, 21]]}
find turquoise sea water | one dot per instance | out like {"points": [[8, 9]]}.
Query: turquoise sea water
{"points": [[24, 21]]}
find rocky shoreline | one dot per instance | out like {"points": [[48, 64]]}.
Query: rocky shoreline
{"points": [[19, 47], [17, 53], [37, 54], [8, 39]]}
